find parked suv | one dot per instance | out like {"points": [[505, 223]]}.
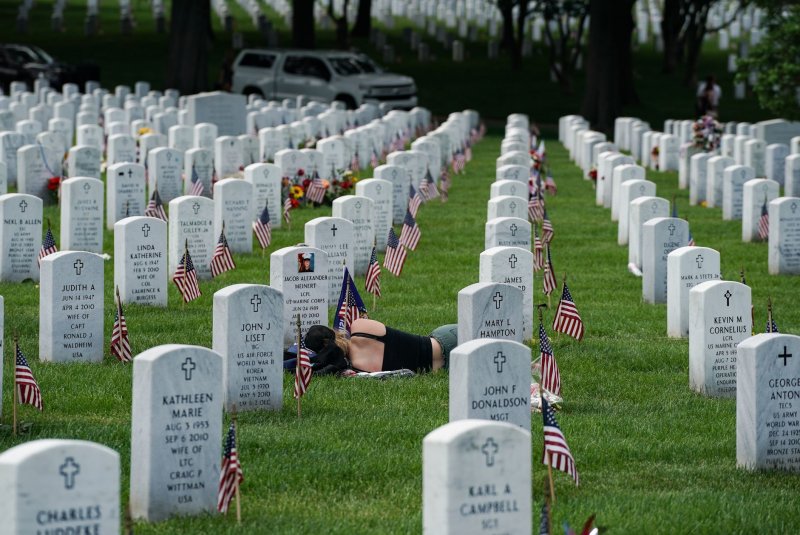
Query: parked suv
{"points": [[324, 75]]}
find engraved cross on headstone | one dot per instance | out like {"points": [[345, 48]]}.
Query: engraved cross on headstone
{"points": [[255, 301], [196, 207], [489, 449], [727, 295], [699, 260], [793, 207], [78, 265], [785, 355], [512, 260], [188, 367], [145, 230], [23, 204], [130, 173], [86, 187], [334, 229], [671, 229], [513, 206], [497, 298], [513, 228], [500, 359], [68, 471]]}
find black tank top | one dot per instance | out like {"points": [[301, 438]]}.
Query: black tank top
{"points": [[403, 350]]}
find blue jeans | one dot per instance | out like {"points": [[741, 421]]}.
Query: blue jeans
{"points": [[447, 336]]}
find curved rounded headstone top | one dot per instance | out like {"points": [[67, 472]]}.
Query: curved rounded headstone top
{"points": [[507, 232], [768, 373], [191, 220], [175, 431], [509, 187], [660, 236], [519, 173], [140, 260], [233, 199], [784, 236], [466, 464], [20, 236], [82, 214], [59, 485], [334, 235], [686, 268]]}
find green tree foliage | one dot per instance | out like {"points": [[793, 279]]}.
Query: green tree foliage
{"points": [[776, 62]]}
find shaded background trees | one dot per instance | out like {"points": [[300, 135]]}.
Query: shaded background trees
{"points": [[190, 39]]}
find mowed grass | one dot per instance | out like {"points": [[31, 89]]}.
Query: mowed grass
{"points": [[653, 456]]}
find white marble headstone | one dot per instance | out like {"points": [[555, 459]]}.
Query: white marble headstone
{"points": [[629, 191], [71, 307], [768, 372], [784, 236], [469, 463], [248, 334], [192, 218], [140, 260], [698, 167], [507, 232], [305, 289], [640, 211], [359, 210], [400, 186], [514, 266], [719, 318], [20, 236], [176, 430], [756, 194], [233, 208], [60, 486], [381, 193], [266, 181], [715, 167], [733, 179], [82, 215], [686, 268], [620, 175], [490, 310], [84, 160], [125, 193], [164, 172], [334, 235], [660, 236], [201, 162], [491, 380]]}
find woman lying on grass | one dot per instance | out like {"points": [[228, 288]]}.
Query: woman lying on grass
{"points": [[374, 347]]}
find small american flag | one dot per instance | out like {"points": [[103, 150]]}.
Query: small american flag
{"points": [[428, 188], [763, 222], [302, 372], [350, 306], [549, 282], [155, 208], [316, 190], [538, 250], [222, 260], [550, 185], [410, 234], [772, 327], [48, 245], [373, 278], [120, 344], [459, 162], [354, 164], [547, 228], [535, 208], [414, 200], [230, 472], [551, 378], [468, 153], [396, 254], [287, 208], [691, 239], [556, 451], [374, 161], [185, 278], [27, 389], [263, 228], [197, 184], [567, 319]]}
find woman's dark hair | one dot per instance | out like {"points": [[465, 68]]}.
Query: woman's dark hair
{"points": [[318, 337], [330, 357]]}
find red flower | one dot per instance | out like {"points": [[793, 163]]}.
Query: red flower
{"points": [[52, 183], [593, 174], [346, 185], [300, 172], [306, 182], [295, 203]]}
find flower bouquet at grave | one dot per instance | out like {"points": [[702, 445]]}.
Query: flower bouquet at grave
{"points": [[54, 187], [654, 156], [344, 183], [707, 133], [593, 175]]}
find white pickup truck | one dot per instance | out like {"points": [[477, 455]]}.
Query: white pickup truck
{"points": [[324, 75]]}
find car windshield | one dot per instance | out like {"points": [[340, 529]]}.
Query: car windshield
{"points": [[346, 66], [24, 54], [367, 65]]}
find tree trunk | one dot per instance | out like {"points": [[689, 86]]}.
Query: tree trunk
{"points": [[506, 10], [303, 24], [695, 34], [609, 72], [363, 24], [670, 30], [190, 38]]}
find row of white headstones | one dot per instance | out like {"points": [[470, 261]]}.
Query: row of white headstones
{"points": [[175, 444], [717, 316]]}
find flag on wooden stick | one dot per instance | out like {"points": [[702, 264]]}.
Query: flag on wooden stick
{"points": [[263, 228], [27, 389], [48, 244], [120, 344], [556, 451], [222, 260], [185, 277], [567, 319], [155, 208], [230, 471]]}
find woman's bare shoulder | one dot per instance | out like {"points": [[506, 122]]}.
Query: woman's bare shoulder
{"points": [[362, 325]]}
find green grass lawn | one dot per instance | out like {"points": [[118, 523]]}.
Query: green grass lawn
{"points": [[653, 456]]}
